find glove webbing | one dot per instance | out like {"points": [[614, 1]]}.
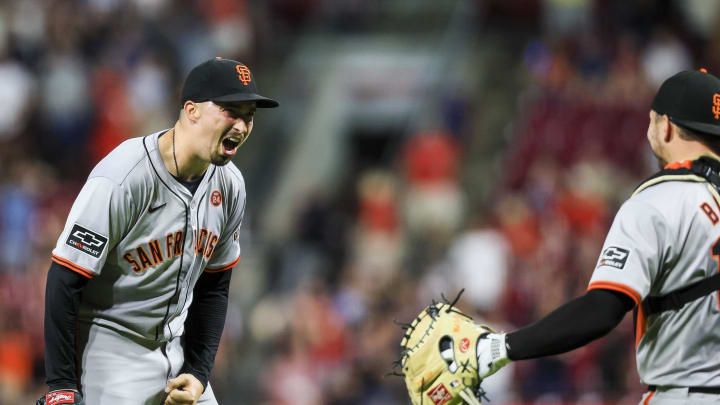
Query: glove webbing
{"points": [[409, 327]]}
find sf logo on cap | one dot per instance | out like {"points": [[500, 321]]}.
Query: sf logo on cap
{"points": [[243, 74], [716, 105]]}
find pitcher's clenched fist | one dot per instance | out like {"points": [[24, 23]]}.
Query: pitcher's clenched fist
{"points": [[184, 389]]}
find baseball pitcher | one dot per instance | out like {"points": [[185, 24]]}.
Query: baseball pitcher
{"points": [[137, 290]]}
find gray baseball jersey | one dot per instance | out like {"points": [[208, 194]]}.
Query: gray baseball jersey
{"points": [[143, 239], [665, 237]]}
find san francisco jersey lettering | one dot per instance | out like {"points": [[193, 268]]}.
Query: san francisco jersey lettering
{"points": [[143, 239]]}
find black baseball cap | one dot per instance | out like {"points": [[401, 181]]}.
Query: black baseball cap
{"points": [[691, 99], [223, 80]]}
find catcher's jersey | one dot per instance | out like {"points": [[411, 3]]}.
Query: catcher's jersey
{"points": [[143, 239], [666, 237]]}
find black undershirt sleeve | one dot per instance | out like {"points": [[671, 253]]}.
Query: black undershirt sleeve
{"points": [[205, 322], [570, 326], [62, 301]]}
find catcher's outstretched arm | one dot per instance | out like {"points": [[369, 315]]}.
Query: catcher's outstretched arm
{"points": [[570, 326]]}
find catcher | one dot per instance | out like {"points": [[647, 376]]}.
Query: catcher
{"points": [[660, 258]]}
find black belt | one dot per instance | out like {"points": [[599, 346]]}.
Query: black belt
{"points": [[703, 390]]}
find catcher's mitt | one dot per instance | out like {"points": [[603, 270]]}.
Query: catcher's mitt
{"points": [[439, 359]]}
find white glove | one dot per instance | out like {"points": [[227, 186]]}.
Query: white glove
{"points": [[491, 354]]}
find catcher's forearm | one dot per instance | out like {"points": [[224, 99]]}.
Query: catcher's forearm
{"points": [[570, 326], [62, 300], [204, 324]]}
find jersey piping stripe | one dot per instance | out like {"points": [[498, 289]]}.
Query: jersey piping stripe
{"points": [[227, 267], [197, 216], [72, 266], [647, 399], [609, 285], [161, 327]]}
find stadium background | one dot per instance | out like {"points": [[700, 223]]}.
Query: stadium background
{"points": [[421, 147]]}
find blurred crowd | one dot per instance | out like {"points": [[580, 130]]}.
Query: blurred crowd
{"points": [[78, 77]]}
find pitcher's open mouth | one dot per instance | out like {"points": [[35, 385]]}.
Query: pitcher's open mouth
{"points": [[230, 145]]}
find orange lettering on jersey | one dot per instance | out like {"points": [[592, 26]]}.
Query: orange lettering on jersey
{"points": [[131, 260], [712, 216], [243, 74], [178, 248], [156, 252], [211, 246], [143, 256], [141, 260], [200, 242], [169, 245], [716, 106]]}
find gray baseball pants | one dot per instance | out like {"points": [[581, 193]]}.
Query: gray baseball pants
{"points": [[117, 370]]}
